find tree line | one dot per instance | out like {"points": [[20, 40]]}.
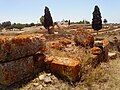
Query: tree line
{"points": [[8, 25]]}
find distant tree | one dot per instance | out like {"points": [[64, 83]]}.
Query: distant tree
{"points": [[26, 25], [105, 21], [38, 24], [32, 24], [69, 22], [48, 20], [42, 20], [87, 22], [96, 21], [19, 26], [6, 24], [66, 21], [84, 22], [81, 22]]}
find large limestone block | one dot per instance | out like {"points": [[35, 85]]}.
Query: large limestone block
{"points": [[84, 38], [15, 47], [13, 71], [66, 67]]}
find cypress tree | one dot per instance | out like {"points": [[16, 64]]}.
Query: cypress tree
{"points": [[69, 22], [96, 21], [48, 20]]}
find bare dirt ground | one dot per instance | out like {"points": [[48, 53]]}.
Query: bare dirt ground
{"points": [[105, 76]]}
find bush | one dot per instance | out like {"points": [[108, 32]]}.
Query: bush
{"points": [[32, 24], [19, 26]]}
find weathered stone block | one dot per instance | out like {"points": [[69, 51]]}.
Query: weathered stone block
{"points": [[84, 38], [96, 51], [15, 47], [66, 67], [13, 71], [39, 63]]}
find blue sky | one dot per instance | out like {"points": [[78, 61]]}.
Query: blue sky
{"points": [[27, 11]]}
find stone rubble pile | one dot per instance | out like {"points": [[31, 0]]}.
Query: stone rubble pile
{"points": [[23, 55]]}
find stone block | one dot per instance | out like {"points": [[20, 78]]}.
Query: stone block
{"points": [[15, 47], [14, 71], [84, 38], [66, 67], [96, 51]]}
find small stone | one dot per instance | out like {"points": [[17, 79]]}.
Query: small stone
{"points": [[54, 78], [112, 55], [35, 84], [42, 77], [39, 87], [49, 74], [47, 80], [44, 85], [55, 32]]}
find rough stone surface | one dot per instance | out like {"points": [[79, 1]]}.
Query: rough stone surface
{"points": [[66, 67], [39, 63], [95, 60], [84, 38], [16, 70], [59, 44], [105, 49], [13, 71], [98, 43], [15, 47], [96, 51], [99, 38], [112, 55]]}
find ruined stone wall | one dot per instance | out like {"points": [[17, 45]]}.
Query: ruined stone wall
{"points": [[20, 56]]}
